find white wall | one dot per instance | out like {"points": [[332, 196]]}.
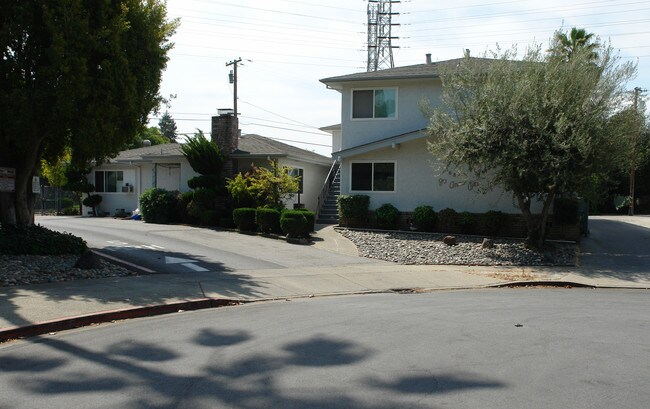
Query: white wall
{"points": [[116, 200], [409, 114], [314, 178], [418, 183]]}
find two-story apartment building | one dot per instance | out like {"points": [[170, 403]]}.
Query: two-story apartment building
{"points": [[381, 142]]}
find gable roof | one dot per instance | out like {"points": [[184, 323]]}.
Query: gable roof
{"points": [[249, 146], [398, 73]]}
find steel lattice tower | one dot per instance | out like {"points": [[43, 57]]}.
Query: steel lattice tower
{"points": [[380, 48]]}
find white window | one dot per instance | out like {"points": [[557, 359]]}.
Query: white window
{"points": [[374, 103], [109, 180], [372, 176]]}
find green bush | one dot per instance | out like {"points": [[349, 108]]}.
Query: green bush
{"points": [[294, 223], [311, 218], [244, 218], [67, 202], [37, 240], [226, 222], [565, 211], [467, 222], [210, 218], [447, 220], [268, 220], [494, 222], [158, 206], [387, 216], [203, 182], [353, 210], [424, 218], [70, 211], [92, 201]]}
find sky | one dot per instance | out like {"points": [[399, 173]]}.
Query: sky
{"points": [[287, 46]]}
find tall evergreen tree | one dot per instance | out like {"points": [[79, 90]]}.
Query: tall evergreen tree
{"points": [[167, 126]]}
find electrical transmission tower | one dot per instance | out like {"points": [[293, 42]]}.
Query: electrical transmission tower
{"points": [[380, 25]]}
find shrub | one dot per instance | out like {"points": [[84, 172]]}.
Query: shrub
{"points": [[447, 220], [565, 211], [424, 218], [268, 220], [210, 218], [203, 181], [244, 218], [92, 201], [70, 211], [67, 202], [493, 222], [353, 210], [467, 222], [226, 222], [37, 240], [158, 206], [294, 223], [311, 218], [387, 216]]}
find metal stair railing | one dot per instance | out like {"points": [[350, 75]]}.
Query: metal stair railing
{"points": [[324, 192]]}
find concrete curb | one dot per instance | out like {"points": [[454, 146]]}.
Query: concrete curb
{"points": [[68, 323]]}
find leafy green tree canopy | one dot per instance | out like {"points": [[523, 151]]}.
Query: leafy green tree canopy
{"points": [[74, 74], [536, 127], [151, 134], [267, 187], [566, 44]]}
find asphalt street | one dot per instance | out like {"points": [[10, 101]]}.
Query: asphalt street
{"points": [[506, 348], [178, 248]]}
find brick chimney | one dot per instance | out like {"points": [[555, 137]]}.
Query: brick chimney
{"points": [[225, 133]]}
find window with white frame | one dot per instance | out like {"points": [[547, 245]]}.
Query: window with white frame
{"points": [[109, 180], [299, 173], [372, 176], [374, 103]]}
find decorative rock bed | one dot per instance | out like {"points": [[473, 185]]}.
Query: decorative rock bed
{"points": [[426, 248]]}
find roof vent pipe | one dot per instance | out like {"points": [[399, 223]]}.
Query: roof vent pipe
{"points": [[428, 58], [146, 142]]}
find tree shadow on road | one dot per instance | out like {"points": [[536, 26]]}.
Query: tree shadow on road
{"points": [[311, 372]]}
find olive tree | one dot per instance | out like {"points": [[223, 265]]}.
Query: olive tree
{"points": [[535, 126]]}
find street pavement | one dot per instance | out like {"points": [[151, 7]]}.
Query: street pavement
{"points": [[617, 255]]}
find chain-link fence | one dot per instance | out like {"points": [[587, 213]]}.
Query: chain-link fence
{"points": [[54, 200]]}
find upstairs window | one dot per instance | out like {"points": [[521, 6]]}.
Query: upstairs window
{"points": [[374, 103]]}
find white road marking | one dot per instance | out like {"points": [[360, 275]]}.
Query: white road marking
{"points": [[176, 260], [194, 267]]}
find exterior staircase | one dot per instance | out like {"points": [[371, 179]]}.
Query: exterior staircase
{"points": [[328, 211]]}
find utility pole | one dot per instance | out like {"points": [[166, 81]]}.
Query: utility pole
{"points": [[637, 91], [233, 80]]}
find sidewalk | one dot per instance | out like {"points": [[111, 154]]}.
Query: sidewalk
{"points": [[34, 304]]}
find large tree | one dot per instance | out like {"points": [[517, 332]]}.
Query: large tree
{"points": [[74, 74], [536, 127], [566, 44], [167, 126]]}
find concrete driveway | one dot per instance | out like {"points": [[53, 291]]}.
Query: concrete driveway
{"points": [[618, 247]]}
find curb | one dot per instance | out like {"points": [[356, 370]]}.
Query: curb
{"points": [[63, 324]]}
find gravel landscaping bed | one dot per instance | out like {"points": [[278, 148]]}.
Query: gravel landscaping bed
{"points": [[426, 248], [22, 270]]}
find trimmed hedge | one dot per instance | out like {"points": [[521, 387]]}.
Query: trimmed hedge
{"points": [[244, 218], [37, 240], [311, 218], [353, 210], [424, 218], [268, 220], [159, 206], [294, 223], [467, 222], [447, 220], [494, 222], [387, 216]]}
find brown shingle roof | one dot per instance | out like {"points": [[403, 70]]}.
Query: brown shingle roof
{"points": [[249, 145]]}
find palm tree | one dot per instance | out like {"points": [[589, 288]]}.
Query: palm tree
{"points": [[565, 45]]}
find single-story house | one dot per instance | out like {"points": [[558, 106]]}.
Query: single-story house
{"points": [[122, 179]]}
